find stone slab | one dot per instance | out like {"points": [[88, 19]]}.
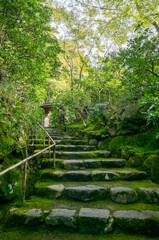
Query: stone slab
{"points": [[56, 175], [113, 163], [145, 221], [62, 217], [33, 217], [92, 163], [149, 194], [99, 175], [103, 154], [86, 193], [93, 220], [123, 195], [51, 192], [57, 190], [73, 164], [69, 147], [75, 155], [132, 175], [78, 176]]}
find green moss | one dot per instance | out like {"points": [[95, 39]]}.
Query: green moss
{"points": [[6, 140], [152, 163], [138, 148], [144, 141], [65, 234], [135, 184], [116, 144], [104, 144], [76, 125], [9, 186]]}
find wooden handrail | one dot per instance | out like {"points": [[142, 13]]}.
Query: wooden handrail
{"points": [[49, 142], [25, 160], [28, 158], [46, 133]]}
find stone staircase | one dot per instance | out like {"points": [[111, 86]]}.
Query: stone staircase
{"points": [[90, 192]]}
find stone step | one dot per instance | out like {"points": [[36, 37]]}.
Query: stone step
{"points": [[47, 203], [90, 220], [94, 175], [52, 131], [83, 164], [68, 147], [93, 163], [86, 193], [79, 155], [63, 137], [61, 142], [71, 142], [140, 222]]}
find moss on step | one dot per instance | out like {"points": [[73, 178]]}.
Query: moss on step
{"points": [[138, 148], [92, 169], [19, 233], [46, 204], [134, 184]]}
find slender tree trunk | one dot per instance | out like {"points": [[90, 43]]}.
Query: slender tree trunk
{"points": [[72, 87], [156, 26]]}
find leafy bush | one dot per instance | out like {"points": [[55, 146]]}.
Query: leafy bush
{"points": [[99, 112]]}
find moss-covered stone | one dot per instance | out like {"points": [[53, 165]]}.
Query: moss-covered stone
{"points": [[51, 191], [123, 194], [93, 220], [152, 163], [62, 217], [149, 194], [86, 193], [145, 221], [127, 119], [9, 186]]}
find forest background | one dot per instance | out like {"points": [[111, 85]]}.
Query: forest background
{"points": [[92, 57]]}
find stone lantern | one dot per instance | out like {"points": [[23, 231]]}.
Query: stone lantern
{"points": [[47, 107]]}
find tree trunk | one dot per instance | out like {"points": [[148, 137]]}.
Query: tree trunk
{"points": [[156, 26]]}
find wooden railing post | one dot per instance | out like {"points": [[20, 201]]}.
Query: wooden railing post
{"points": [[44, 141], [24, 176], [49, 148], [54, 156]]}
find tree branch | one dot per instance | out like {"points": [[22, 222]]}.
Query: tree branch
{"points": [[97, 7], [156, 26], [152, 72]]}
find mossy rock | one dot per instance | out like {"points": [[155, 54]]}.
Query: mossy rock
{"points": [[116, 145], [134, 157], [6, 193], [126, 119], [126, 151], [152, 163], [104, 144]]}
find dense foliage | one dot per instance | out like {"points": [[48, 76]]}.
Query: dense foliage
{"points": [[96, 72], [28, 56]]}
